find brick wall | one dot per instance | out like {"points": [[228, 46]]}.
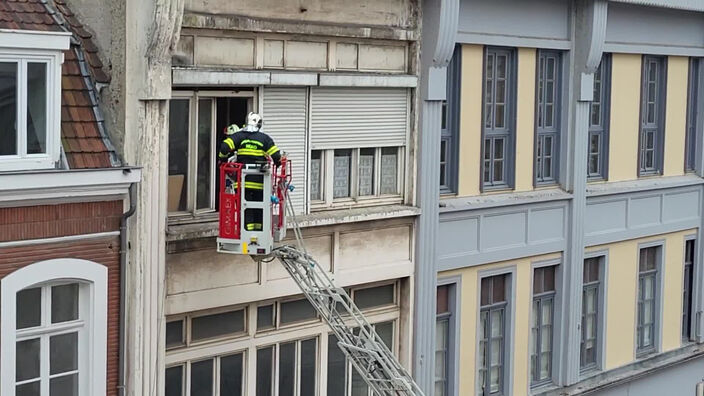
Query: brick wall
{"points": [[104, 251], [48, 221]]}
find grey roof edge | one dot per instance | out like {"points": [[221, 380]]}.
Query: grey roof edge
{"points": [[688, 5]]}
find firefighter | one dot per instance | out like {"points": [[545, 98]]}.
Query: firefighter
{"points": [[252, 147]]}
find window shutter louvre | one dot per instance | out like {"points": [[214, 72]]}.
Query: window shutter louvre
{"points": [[358, 117], [284, 113]]}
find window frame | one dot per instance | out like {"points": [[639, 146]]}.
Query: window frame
{"points": [[191, 180], [327, 176], [641, 351], [449, 131], [694, 108], [602, 130], [93, 279], [454, 285], [542, 132], [688, 332], [603, 257], [540, 298], [53, 60], [658, 126], [187, 319], [508, 132]]}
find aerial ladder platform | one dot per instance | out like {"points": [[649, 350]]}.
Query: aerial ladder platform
{"points": [[250, 224]]}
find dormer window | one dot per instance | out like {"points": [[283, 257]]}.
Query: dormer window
{"points": [[30, 98]]}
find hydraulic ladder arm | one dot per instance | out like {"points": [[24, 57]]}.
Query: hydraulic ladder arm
{"points": [[357, 339]]}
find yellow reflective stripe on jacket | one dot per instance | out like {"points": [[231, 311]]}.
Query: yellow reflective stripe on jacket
{"points": [[230, 143], [256, 142], [273, 150], [254, 153]]}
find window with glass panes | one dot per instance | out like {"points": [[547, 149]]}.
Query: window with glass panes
{"points": [[652, 114], [355, 175], [548, 117], [597, 153], [51, 337], [196, 125], [687, 290], [542, 323], [287, 369], [692, 113], [343, 378], [442, 341], [647, 300], [498, 130], [450, 124], [492, 335], [591, 290]]}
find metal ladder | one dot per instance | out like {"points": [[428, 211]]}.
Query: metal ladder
{"points": [[357, 339]]}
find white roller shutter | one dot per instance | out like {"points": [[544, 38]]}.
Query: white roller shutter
{"points": [[284, 114], [358, 117]]}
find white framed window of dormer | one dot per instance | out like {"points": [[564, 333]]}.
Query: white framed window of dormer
{"points": [[53, 329], [30, 98]]}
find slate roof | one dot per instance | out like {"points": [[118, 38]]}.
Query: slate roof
{"points": [[83, 135]]}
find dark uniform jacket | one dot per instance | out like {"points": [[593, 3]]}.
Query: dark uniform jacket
{"points": [[251, 148]]}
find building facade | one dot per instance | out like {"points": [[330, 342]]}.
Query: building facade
{"points": [[570, 210], [63, 195]]}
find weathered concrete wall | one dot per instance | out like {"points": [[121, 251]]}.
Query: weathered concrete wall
{"points": [[105, 20], [397, 13]]}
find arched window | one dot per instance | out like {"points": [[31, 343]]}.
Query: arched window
{"points": [[53, 329]]}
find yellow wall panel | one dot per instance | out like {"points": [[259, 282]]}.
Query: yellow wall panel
{"points": [[470, 120], [675, 115], [622, 286], [625, 114], [469, 316], [525, 119]]}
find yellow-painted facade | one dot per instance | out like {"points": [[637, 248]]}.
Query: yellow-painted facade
{"points": [[676, 115], [621, 296], [521, 302], [525, 119], [625, 114]]}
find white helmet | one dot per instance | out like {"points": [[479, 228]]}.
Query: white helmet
{"points": [[254, 122]]}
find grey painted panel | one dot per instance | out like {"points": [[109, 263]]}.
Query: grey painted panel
{"points": [[604, 217], [475, 237], [503, 230], [459, 236], [648, 212], [682, 206], [537, 19], [546, 225], [645, 211], [648, 26]]}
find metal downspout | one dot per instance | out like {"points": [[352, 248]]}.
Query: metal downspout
{"points": [[123, 271]]}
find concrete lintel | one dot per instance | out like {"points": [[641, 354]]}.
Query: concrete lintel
{"points": [[205, 77], [647, 184], [349, 80], [242, 23], [513, 41], [645, 48], [298, 79], [449, 205], [35, 40]]}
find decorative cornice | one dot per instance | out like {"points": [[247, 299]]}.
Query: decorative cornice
{"points": [[598, 13]]}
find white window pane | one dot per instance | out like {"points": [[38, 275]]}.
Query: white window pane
{"points": [[66, 385], [231, 375], [545, 339], [496, 323], [8, 108], [64, 303], [308, 364], [63, 356], [174, 381], [217, 325], [205, 154], [494, 380], [544, 366], [389, 170], [647, 313], [315, 175], [178, 153], [264, 371], [287, 369], [30, 389], [647, 336], [36, 108], [296, 311], [547, 312], [341, 180], [495, 357], [440, 365], [649, 286], [202, 378], [29, 308], [27, 360], [441, 335], [439, 388], [366, 172]]}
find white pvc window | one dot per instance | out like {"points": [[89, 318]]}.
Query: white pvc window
{"points": [[54, 329]]}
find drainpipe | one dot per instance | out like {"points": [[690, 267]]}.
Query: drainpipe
{"points": [[123, 273]]}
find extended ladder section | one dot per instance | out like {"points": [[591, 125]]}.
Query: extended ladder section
{"points": [[357, 339]]}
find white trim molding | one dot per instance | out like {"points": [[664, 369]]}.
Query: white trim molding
{"points": [[33, 39], [26, 188], [95, 277]]}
